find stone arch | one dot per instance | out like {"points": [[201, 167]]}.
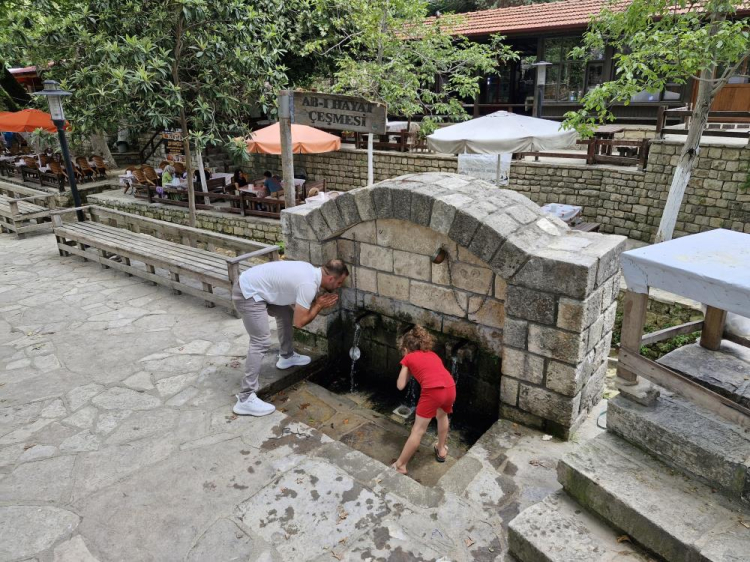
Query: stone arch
{"points": [[559, 286]]}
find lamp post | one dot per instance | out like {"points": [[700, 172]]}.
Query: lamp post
{"points": [[54, 96], [541, 80]]}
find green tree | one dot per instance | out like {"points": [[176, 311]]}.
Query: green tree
{"points": [[198, 65], [659, 42], [386, 52]]}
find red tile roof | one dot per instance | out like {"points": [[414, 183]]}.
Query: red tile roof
{"points": [[562, 15]]}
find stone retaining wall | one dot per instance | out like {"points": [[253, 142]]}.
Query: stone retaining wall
{"points": [[623, 200], [254, 228], [518, 284]]}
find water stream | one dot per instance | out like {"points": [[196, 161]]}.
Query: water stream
{"points": [[354, 354]]}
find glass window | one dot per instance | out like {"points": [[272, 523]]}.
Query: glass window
{"points": [[550, 87], [565, 78], [595, 75]]}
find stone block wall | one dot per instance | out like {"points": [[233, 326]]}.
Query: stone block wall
{"points": [[623, 200], [521, 286], [255, 228]]}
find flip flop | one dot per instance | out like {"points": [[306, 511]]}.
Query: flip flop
{"points": [[438, 458]]}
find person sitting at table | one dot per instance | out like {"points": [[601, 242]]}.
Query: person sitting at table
{"points": [[197, 177], [238, 179], [272, 184], [167, 175]]}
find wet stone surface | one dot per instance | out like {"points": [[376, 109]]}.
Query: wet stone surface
{"points": [[117, 441]]}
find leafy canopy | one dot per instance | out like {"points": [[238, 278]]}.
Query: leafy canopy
{"points": [[384, 51], [658, 42]]}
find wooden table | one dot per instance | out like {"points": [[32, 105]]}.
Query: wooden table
{"points": [[607, 132]]}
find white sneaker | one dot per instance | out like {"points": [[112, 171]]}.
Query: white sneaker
{"points": [[253, 406], [296, 360]]}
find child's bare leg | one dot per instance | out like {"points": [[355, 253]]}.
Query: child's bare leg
{"points": [[412, 443], [443, 424]]}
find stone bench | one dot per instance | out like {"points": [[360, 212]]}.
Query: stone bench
{"points": [[184, 253], [23, 209]]}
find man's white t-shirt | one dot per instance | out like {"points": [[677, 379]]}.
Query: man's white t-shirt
{"points": [[282, 283]]}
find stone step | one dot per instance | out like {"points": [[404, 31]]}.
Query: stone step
{"points": [[558, 529], [689, 438], [668, 513]]}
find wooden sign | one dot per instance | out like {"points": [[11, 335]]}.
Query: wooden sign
{"points": [[340, 113], [174, 146]]}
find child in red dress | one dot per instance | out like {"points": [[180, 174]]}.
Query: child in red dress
{"points": [[437, 396]]}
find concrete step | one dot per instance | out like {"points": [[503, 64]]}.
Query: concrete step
{"points": [[689, 438], [558, 529], [670, 514]]}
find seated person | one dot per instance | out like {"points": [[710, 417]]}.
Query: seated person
{"points": [[239, 180], [167, 175], [197, 177], [272, 184]]}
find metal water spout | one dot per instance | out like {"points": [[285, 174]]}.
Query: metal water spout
{"points": [[354, 352]]}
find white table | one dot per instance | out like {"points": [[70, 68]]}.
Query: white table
{"points": [[225, 175]]}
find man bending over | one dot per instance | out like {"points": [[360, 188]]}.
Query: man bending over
{"points": [[287, 291]]}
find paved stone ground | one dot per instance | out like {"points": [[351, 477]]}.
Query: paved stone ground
{"points": [[117, 442]]}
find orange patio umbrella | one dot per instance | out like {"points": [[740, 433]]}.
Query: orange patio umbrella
{"points": [[305, 140], [27, 121]]}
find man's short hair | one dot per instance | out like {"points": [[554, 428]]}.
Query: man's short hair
{"points": [[336, 267]]}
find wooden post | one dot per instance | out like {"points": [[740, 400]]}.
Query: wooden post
{"points": [[370, 174], [287, 158], [643, 154], [633, 320], [591, 151], [713, 328], [661, 118]]}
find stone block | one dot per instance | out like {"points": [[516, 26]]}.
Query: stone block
{"points": [[412, 265], [567, 273], [460, 328], [363, 232], [528, 419], [568, 347], [383, 201], [401, 199], [466, 256], [298, 250], [566, 379], [444, 211], [522, 214], [467, 220], [332, 215], [522, 365], [440, 273], [421, 208], [405, 236], [296, 218], [492, 234], [595, 333], [515, 332], [490, 339], [403, 311], [363, 279], [347, 205], [522, 244], [347, 251], [376, 257], [487, 311], [321, 252], [609, 318], [578, 315], [365, 204], [393, 287], [549, 405], [530, 305], [593, 390], [318, 224], [509, 391], [471, 278], [440, 299]]}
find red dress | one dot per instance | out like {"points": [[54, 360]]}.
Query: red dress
{"points": [[438, 387]]}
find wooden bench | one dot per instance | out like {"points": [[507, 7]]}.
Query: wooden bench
{"points": [[23, 209], [179, 253], [587, 226]]}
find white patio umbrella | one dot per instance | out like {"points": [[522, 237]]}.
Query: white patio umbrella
{"points": [[501, 132]]}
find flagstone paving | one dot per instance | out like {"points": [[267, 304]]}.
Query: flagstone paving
{"points": [[117, 442]]}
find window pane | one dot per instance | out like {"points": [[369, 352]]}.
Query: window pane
{"points": [[571, 84], [596, 75], [550, 88], [552, 48]]}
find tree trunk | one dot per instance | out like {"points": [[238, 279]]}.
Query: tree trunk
{"points": [[99, 146], [688, 157], [188, 168]]}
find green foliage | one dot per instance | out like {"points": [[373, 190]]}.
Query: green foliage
{"points": [[43, 140], [385, 52], [658, 42], [141, 63], [660, 349]]}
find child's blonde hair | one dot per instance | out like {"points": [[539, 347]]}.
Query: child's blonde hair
{"points": [[416, 339]]}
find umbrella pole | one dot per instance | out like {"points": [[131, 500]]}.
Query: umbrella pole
{"points": [[497, 175], [370, 174], [287, 158]]}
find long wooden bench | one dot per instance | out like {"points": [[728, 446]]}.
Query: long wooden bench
{"points": [[165, 253], [24, 210]]}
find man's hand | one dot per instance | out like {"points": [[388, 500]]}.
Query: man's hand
{"points": [[327, 300]]}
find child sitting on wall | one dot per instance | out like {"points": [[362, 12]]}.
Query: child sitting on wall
{"points": [[436, 398]]}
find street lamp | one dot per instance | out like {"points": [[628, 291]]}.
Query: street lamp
{"points": [[541, 80], [54, 96]]}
